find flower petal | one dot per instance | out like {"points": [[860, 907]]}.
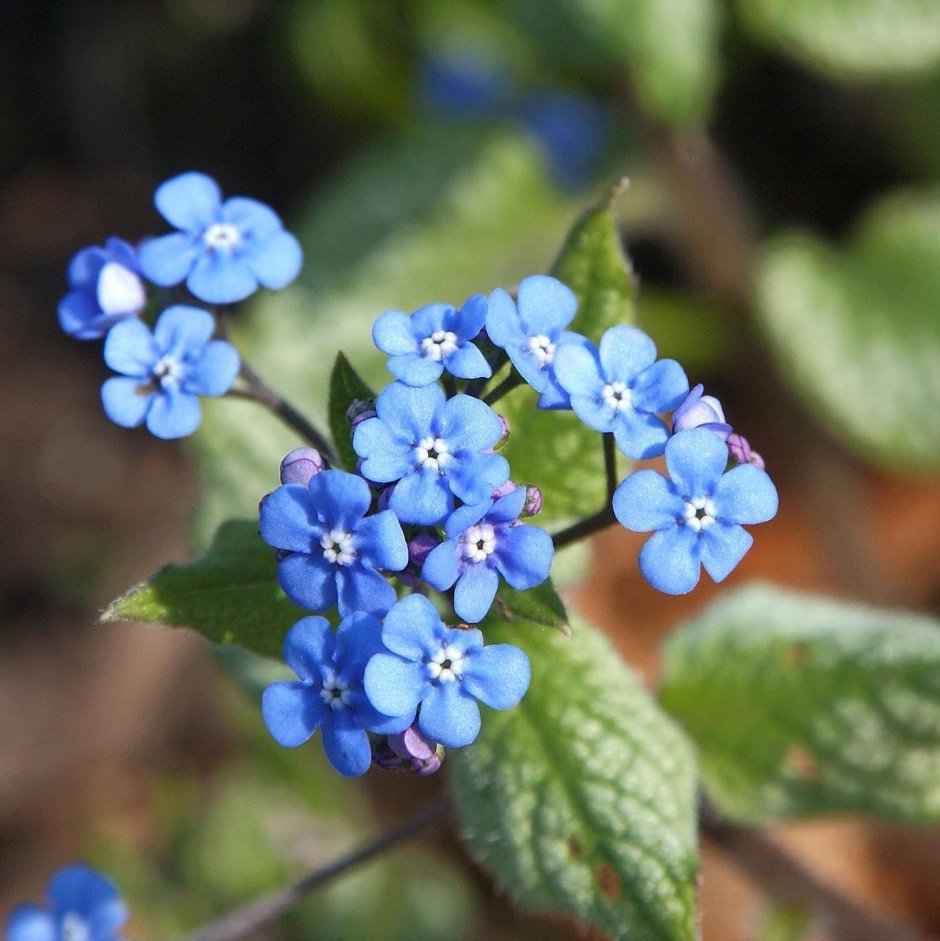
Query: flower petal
{"points": [[468, 363], [466, 516], [425, 320], [639, 434], [594, 412], [442, 566], [215, 370], [173, 415], [130, 349], [394, 686], [502, 320], [448, 716], [470, 319], [497, 675], [275, 260], [412, 629], [723, 546], [190, 201], [85, 265], [218, 277], [168, 259], [120, 290], [30, 923], [524, 556], [422, 498], [670, 560], [286, 519], [385, 458], [696, 459], [181, 329], [360, 588], [292, 712], [358, 638], [81, 318], [341, 499], [474, 479], [578, 370], [646, 501], [126, 401], [661, 387], [251, 216], [410, 414], [380, 538], [475, 591], [468, 423], [746, 495], [347, 748], [391, 333], [413, 369], [545, 305], [624, 353], [309, 645], [308, 580], [89, 894]]}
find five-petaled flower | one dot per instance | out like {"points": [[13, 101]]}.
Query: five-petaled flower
{"points": [[696, 514], [82, 905], [483, 542], [434, 447], [532, 331], [164, 372], [620, 387], [105, 288], [328, 694], [432, 339], [443, 669], [334, 549], [223, 250]]}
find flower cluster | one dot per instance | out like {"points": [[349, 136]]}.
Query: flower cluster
{"points": [[223, 251]]}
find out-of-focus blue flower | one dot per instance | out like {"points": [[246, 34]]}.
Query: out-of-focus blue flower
{"points": [[334, 549], [484, 542], [82, 905], [165, 372], [696, 513], [532, 330], [620, 387], [105, 288], [223, 250], [701, 411], [465, 84], [434, 447], [572, 129], [432, 339], [328, 694], [444, 670]]}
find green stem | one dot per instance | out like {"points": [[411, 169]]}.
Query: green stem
{"points": [[507, 385], [610, 465], [583, 529]]}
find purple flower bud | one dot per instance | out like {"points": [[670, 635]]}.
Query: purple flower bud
{"points": [[420, 547], [408, 751], [384, 496], [757, 461], [504, 434], [739, 449], [700, 411], [359, 410], [507, 487], [300, 465], [533, 501]]}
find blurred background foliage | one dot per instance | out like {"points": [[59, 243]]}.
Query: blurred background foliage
{"points": [[783, 223]]}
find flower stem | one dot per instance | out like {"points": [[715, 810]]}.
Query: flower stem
{"points": [[583, 529], [507, 385], [450, 385], [610, 465], [243, 922], [257, 390]]}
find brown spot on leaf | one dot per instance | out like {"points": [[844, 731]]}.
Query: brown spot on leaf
{"points": [[575, 847], [608, 881]]}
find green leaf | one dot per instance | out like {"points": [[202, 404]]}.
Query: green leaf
{"points": [[555, 449], [857, 331], [582, 798], [803, 705], [345, 386], [230, 595], [854, 40], [540, 605]]}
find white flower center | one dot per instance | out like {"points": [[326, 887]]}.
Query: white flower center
{"points": [[439, 344], [479, 542], [222, 237], [446, 665], [699, 513], [338, 547], [433, 452], [169, 372], [542, 349], [74, 928], [617, 396], [335, 692]]}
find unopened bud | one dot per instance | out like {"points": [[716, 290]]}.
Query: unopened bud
{"points": [[504, 433], [739, 449], [408, 751], [359, 410], [533, 501], [300, 465], [419, 548], [501, 491], [700, 411]]}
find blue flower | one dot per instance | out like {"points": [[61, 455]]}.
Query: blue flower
{"points": [[163, 373], [445, 670], [696, 515], [335, 549], [620, 388], [434, 447], [328, 694], [105, 289], [432, 339], [701, 411], [484, 542], [463, 84], [531, 331], [82, 906], [222, 250]]}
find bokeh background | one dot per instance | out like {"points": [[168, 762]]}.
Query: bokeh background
{"points": [[423, 151]]}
